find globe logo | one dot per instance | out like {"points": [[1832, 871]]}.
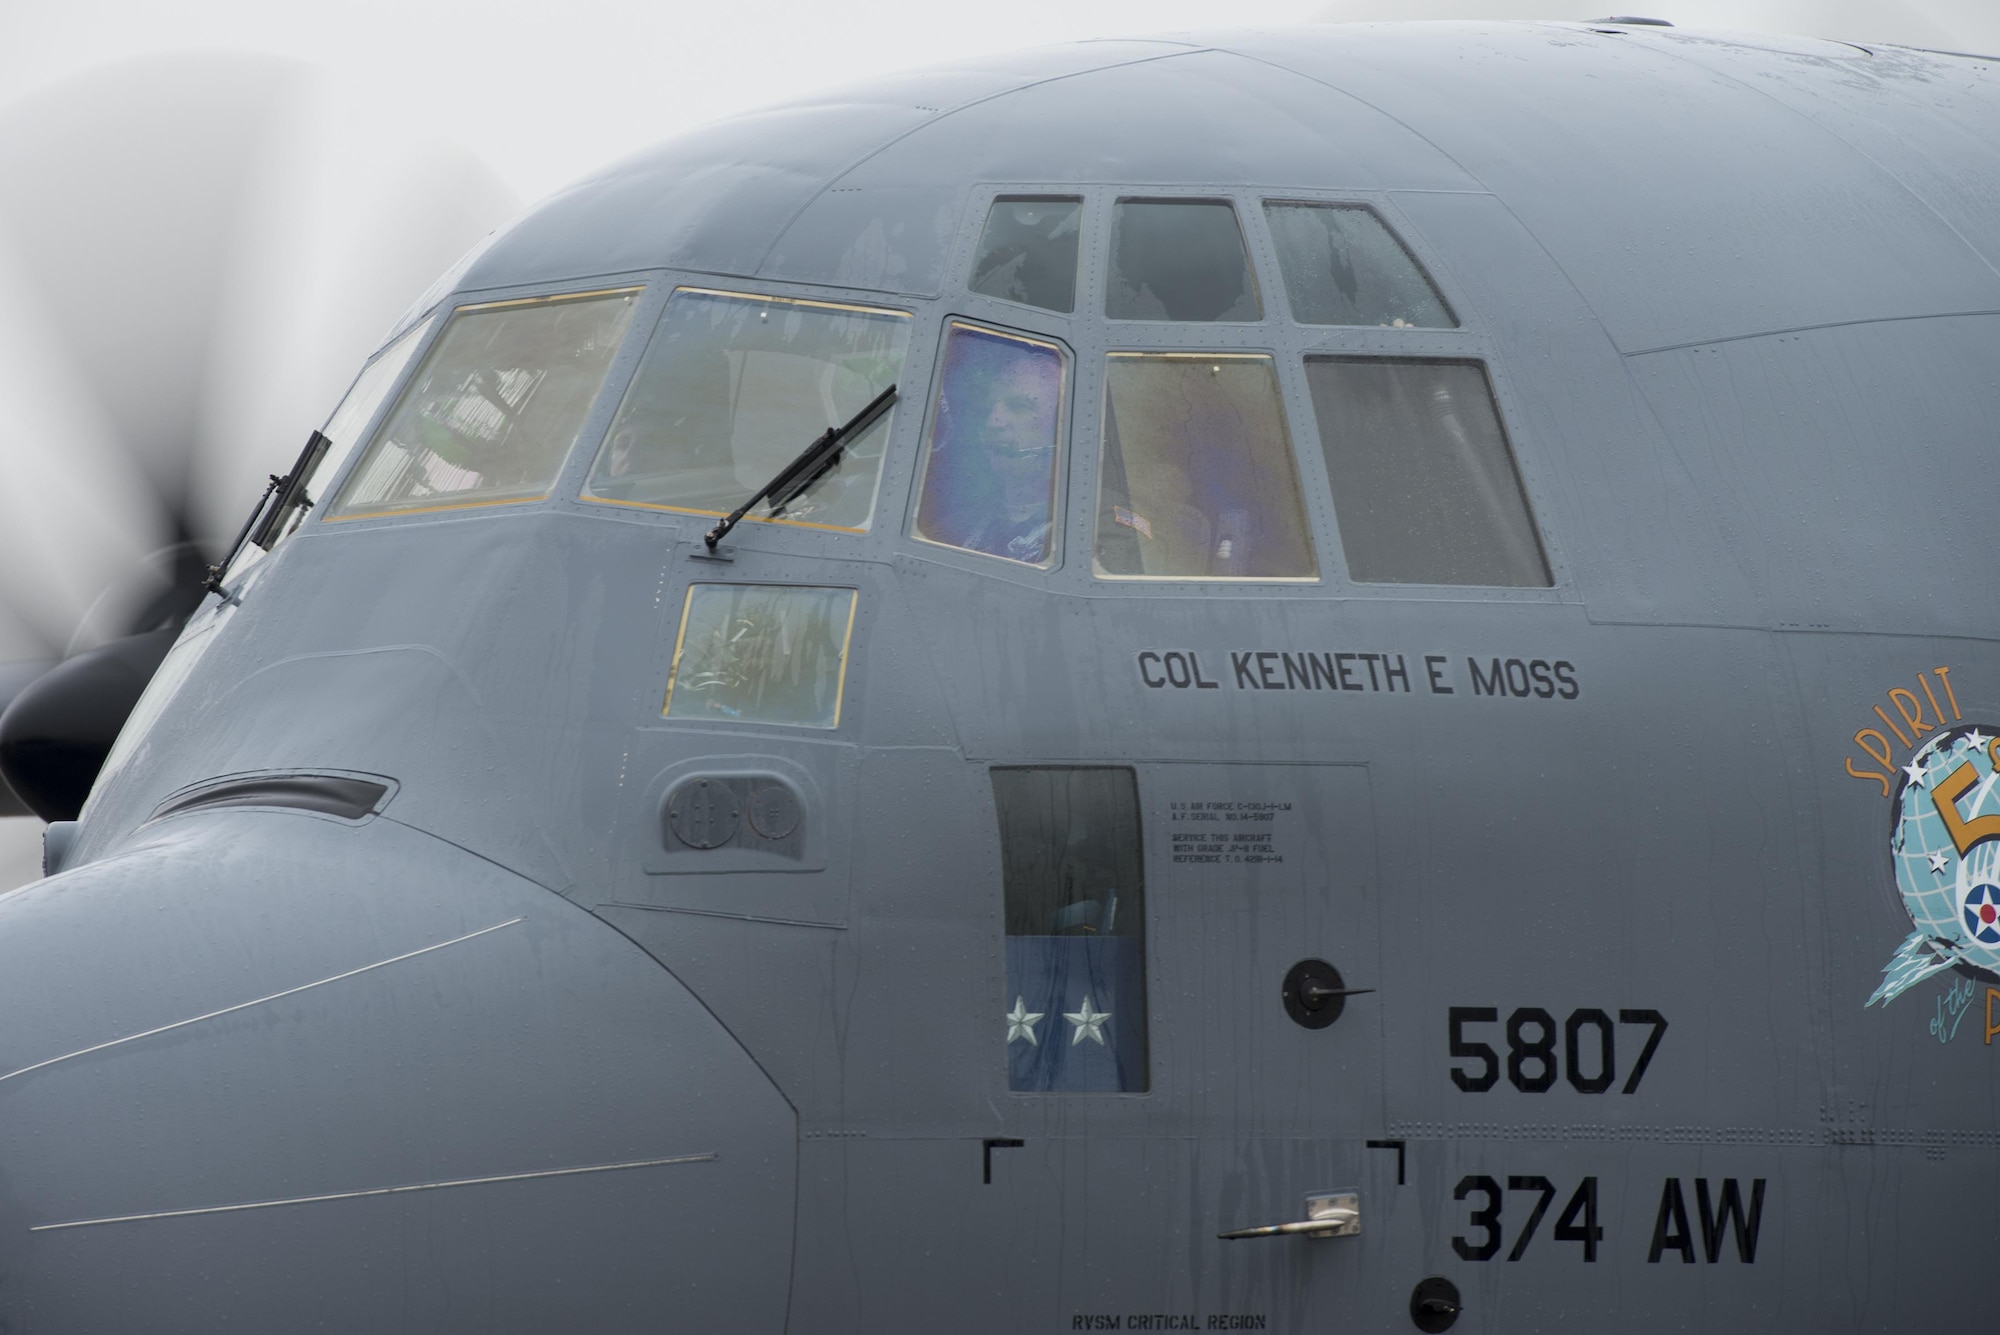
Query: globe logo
{"points": [[1945, 850]]}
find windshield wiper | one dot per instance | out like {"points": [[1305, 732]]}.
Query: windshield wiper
{"points": [[266, 523], [808, 468]]}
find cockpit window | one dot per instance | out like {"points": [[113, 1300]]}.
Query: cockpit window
{"points": [[1197, 477], [1179, 259], [761, 653], [733, 387], [1424, 484], [1075, 888], [343, 430], [1343, 267], [351, 418], [990, 465], [1028, 252], [495, 407]]}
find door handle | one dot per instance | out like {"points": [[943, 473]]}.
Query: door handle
{"points": [[1329, 1214]]}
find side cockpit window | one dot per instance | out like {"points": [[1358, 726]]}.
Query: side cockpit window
{"points": [[1197, 479], [363, 400], [1028, 252], [1075, 890], [1424, 483], [1341, 266], [493, 411], [991, 458], [342, 432], [1179, 259], [733, 386]]}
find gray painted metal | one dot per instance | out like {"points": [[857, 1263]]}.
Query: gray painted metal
{"points": [[1741, 310]]}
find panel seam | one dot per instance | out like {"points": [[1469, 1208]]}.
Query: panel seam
{"points": [[834, 180]]}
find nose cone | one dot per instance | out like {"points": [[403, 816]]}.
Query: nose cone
{"points": [[270, 1071]]}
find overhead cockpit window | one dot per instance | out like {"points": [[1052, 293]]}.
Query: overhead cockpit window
{"points": [[1075, 890], [495, 407], [990, 464], [1342, 266], [1179, 259], [761, 653], [733, 387], [1197, 479], [1424, 484], [1028, 252]]}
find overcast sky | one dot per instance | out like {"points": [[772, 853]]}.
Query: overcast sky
{"points": [[544, 91]]}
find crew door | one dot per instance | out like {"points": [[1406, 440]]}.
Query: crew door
{"points": [[1165, 1084], [1267, 1030]]}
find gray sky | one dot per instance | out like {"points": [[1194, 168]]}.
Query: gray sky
{"points": [[545, 91]]}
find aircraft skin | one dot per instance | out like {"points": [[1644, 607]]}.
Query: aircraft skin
{"points": [[1624, 858]]}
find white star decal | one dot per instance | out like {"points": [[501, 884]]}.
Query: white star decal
{"points": [[1915, 769], [1089, 1023], [1939, 862], [1021, 1022], [1977, 738]]}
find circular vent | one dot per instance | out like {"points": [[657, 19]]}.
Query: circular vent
{"points": [[702, 813]]}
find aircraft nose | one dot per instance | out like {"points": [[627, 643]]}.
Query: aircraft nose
{"points": [[267, 1071]]}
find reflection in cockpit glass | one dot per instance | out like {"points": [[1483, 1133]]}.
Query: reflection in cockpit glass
{"points": [[1028, 252], [733, 387], [1180, 259], [762, 653], [1197, 479], [990, 463], [494, 409], [1343, 267], [1424, 483]]}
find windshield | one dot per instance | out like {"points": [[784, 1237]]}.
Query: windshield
{"points": [[1196, 475], [733, 387], [343, 432], [344, 428], [495, 407]]}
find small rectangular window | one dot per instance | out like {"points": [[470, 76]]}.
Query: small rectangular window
{"points": [[1028, 252], [1342, 266], [1075, 889], [733, 387], [761, 653], [991, 461], [493, 411], [1197, 479], [1424, 484], [1180, 259]]}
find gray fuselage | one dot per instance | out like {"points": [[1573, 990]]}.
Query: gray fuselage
{"points": [[593, 1011]]}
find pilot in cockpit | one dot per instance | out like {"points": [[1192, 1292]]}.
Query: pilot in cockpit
{"points": [[991, 477], [1018, 437]]}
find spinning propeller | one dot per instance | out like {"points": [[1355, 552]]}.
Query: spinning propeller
{"points": [[197, 251]]}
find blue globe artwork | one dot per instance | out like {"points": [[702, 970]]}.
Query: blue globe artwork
{"points": [[1946, 852]]}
